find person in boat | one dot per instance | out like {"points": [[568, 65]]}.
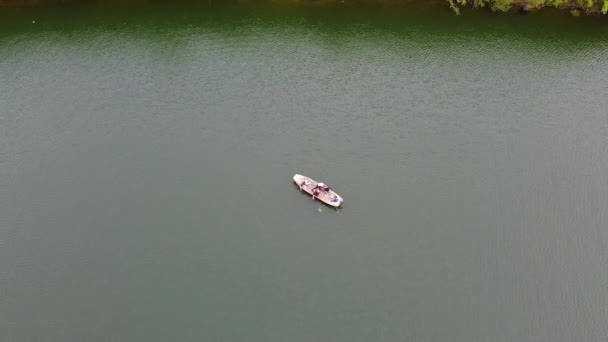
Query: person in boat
{"points": [[323, 187], [320, 187]]}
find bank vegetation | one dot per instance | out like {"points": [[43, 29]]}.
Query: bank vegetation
{"points": [[576, 7]]}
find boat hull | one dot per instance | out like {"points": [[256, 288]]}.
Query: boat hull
{"points": [[308, 185]]}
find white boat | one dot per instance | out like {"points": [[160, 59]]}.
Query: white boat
{"points": [[318, 191]]}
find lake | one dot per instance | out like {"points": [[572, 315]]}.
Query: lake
{"points": [[146, 157]]}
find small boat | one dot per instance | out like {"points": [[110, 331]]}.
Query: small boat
{"points": [[318, 190]]}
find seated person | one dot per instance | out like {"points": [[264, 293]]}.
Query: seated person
{"points": [[323, 187]]}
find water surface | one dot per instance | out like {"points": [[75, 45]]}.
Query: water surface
{"points": [[146, 158]]}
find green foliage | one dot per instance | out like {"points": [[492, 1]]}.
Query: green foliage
{"points": [[576, 7], [454, 7], [589, 6], [558, 3], [502, 5]]}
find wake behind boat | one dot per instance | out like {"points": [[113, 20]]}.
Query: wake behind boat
{"points": [[318, 191]]}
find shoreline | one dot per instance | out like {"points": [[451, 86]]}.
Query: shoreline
{"points": [[574, 7]]}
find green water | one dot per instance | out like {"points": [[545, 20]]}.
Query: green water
{"points": [[146, 159]]}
